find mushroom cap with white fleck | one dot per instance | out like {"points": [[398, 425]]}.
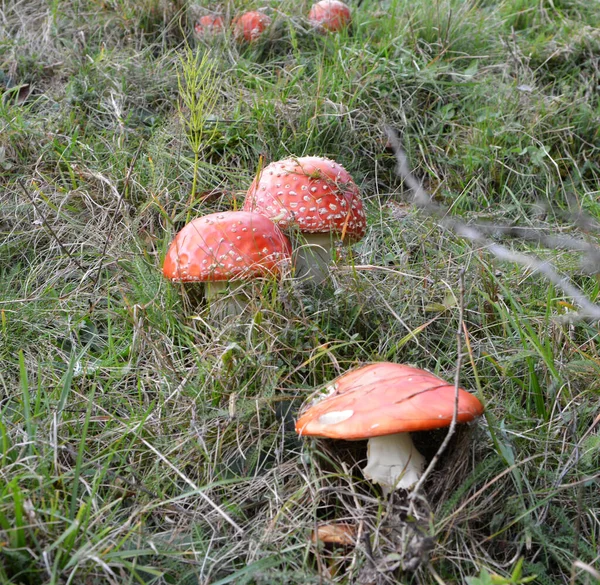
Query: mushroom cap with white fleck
{"points": [[316, 194], [330, 15], [231, 245], [384, 399]]}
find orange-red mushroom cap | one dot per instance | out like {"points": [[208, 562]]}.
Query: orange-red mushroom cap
{"points": [[250, 25], [316, 194], [231, 245], [209, 25], [330, 15], [384, 399]]}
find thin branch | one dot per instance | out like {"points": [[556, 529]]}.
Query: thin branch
{"points": [[197, 489], [560, 242], [588, 309], [572, 461], [423, 200], [114, 217], [135, 486], [421, 197], [49, 228], [452, 428]]}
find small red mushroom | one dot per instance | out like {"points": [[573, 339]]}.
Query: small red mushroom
{"points": [[209, 25], [228, 246], [250, 25], [316, 195], [330, 15], [384, 402]]}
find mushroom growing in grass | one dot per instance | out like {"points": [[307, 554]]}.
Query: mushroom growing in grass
{"points": [[330, 15], [250, 25], [383, 403], [209, 25], [222, 248], [315, 195]]}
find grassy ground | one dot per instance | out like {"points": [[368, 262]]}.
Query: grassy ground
{"points": [[141, 443]]}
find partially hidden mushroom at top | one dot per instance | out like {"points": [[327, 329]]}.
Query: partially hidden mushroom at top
{"points": [[317, 196], [249, 26], [384, 402], [209, 25], [330, 15], [223, 248]]}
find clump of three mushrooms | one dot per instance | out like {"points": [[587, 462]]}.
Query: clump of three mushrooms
{"points": [[381, 402], [325, 16]]}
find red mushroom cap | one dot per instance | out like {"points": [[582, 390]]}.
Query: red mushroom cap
{"points": [[384, 399], [232, 245], [250, 25], [330, 15], [316, 194], [208, 25]]}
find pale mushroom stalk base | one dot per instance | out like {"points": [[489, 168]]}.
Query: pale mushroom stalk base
{"points": [[225, 299], [313, 257], [393, 462]]}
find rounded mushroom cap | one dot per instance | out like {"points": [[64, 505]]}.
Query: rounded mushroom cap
{"points": [[330, 15], [209, 25], [250, 25], [384, 399], [231, 245], [316, 194]]}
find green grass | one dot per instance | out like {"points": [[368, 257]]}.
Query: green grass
{"points": [[142, 443]]}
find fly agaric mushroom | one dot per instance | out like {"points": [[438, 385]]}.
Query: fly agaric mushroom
{"points": [[209, 25], [250, 25], [383, 403], [330, 15], [228, 246], [318, 196]]}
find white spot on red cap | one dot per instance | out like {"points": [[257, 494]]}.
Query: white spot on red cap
{"points": [[335, 417], [327, 181]]}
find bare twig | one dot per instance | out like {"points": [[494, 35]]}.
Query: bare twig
{"points": [[197, 489], [560, 242], [114, 217], [135, 486], [451, 517], [571, 462], [421, 197], [451, 429], [49, 228], [423, 200]]}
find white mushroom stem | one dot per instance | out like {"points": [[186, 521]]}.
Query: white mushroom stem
{"points": [[393, 462], [225, 298], [313, 257]]}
